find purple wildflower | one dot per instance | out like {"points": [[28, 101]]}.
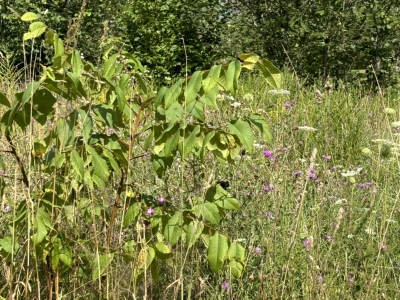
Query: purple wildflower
{"points": [[7, 208], [150, 212], [294, 102], [296, 174], [306, 243], [225, 286], [287, 106], [327, 157], [268, 154], [161, 200], [328, 238], [312, 175], [269, 187], [258, 250], [270, 215]]}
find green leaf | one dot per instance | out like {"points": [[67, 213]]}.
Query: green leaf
{"points": [[77, 164], [55, 254], [237, 252], [193, 231], [64, 132], [76, 62], [195, 109], [77, 84], [41, 230], [4, 100], [174, 113], [209, 211], [232, 75], [236, 268], [217, 251], [212, 78], [262, 126], [131, 214], [171, 95], [193, 86], [6, 244], [30, 91], [173, 228], [171, 143], [29, 16], [243, 131], [249, 60], [221, 197], [163, 248], [36, 29], [110, 66], [271, 73], [189, 142], [66, 255], [100, 264], [100, 167], [87, 125], [210, 98]]}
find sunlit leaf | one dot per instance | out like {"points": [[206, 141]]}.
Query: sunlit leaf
{"points": [[217, 251]]}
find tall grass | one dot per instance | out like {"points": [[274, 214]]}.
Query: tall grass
{"points": [[319, 213]]}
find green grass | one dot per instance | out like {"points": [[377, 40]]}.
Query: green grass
{"points": [[310, 231]]}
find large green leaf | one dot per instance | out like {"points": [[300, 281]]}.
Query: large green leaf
{"points": [[64, 132], [217, 251], [131, 214], [193, 86], [36, 29], [174, 113], [236, 268], [211, 80], [77, 164], [189, 142], [262, 126], [100, 167], [30, 91], [100, 264], [8, 246], [237, 252], [110, 66], [171, 95], [222, 198], [4, 100], [193, 231], [40, 230], [243, 131], [29, 16], [249, 60], [173, 228], [232, 75], [209, 211], [271, 73]]}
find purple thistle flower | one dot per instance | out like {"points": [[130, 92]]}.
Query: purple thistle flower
{"points": [[270, 215], [225, 286], [306, 243], [268, 188], [287, 106], [7, 208], [328, 238], [312, 175], [150, 212], [268, 154], [294, 102], [258, 250], [296, 174], [161, 200], [327, 157]]}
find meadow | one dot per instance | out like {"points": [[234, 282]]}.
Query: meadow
{"points": [[318, 212]]}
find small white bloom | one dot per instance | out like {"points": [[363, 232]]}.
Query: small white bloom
{"points": [[369, 230], [228, 97], [396, 124], [350, 236], [351, 173], [280, 92], [236, 104], [307, 128]]}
